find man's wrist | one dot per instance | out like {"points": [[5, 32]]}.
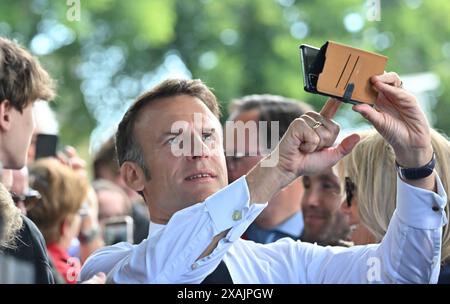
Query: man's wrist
{"points": [[264, 182], [417, 172], [284, 172], [283, 176], [413, 158]]}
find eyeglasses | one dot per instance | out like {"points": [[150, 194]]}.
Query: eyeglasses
{"points": [[30, 198], [350, 189]]}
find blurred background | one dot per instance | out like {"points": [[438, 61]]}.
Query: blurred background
{"points": [[103, 53]]}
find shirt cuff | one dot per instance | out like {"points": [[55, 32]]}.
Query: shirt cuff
{"points": [[230, 207], [420, 208]]}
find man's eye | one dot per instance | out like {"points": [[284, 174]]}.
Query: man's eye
{"points": [[330, 187], [306, 183], [207, 136], [174, 140]]}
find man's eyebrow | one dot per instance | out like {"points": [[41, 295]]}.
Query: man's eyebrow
{"points": [[328, 178], [211, 130], [170, 133]]}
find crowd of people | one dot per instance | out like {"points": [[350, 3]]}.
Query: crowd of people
{"points": [[271, 196]]}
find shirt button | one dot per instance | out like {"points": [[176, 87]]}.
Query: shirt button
{"points": [[436, 208], [194, 266], [237, 215]]}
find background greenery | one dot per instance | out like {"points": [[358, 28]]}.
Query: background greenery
{"points": [[119, 48]]}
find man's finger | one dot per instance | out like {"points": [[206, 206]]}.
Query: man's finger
{"points": [[330, 108], [389, 90], [70, 151], [328, 157], [369, 113], [309, 140], [325, 128], [390, 78], [347, 145], [333, 154], [328, 123]]}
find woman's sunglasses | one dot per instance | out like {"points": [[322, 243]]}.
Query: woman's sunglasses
{"points": [[350, 189], [29, 198]]}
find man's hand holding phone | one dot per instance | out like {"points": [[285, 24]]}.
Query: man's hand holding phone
{"points": [[399, 119], [69, 157]]}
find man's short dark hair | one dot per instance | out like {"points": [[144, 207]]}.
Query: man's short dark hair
{"points": [[106, 158], [22, 78], [127, 146], [270, 108]]}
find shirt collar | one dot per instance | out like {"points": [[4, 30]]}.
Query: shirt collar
{"points": [[292, 226], [154, 228]]}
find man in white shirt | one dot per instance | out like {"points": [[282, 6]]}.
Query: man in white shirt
{"points": [[197, 220]]}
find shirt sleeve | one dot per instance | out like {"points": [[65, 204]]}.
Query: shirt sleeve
{"points": [[410, 251], [170, 256]]}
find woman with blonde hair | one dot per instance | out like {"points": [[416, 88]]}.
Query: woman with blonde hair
{"points": [[369, 178]]}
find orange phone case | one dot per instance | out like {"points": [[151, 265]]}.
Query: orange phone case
{"points": [[345, 65]]}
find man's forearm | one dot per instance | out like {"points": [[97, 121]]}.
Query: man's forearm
{"points": [[264, 182]]}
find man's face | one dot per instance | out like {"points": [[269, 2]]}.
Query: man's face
{"points": [[321, 207], [177, 182], [18, 138], [110, 204], [240, 163]]}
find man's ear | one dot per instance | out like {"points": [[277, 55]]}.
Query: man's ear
{"points": [[133, 175], [5, 115]]}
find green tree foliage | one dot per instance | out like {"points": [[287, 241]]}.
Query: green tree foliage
{"points": [[119, 48]]}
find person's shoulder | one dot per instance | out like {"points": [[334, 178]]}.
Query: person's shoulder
{"points": [[30, 227], [107, 258], [31, 247], [27, 236], [35, 235], [122, 248]]}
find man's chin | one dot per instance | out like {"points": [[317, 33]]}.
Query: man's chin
{"points": [[311, 235], [14, 164], [202, 194]]}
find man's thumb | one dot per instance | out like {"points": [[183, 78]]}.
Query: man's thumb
{"points": [[347, 145]]}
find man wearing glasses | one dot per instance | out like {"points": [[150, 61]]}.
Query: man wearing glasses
{"points": [[23, 196]]}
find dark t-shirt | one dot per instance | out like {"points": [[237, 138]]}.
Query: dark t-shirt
{"points": [[444, 275], [141, 223], [30, 248]]}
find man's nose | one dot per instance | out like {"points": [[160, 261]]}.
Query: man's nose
{"points": [[311, 198], [199, 149]]}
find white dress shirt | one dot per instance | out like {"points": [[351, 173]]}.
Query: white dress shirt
{"points": [[409, 253]]}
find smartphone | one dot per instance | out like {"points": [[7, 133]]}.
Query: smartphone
{"points": [[308, 57], [46, 145], [118, 229]]}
